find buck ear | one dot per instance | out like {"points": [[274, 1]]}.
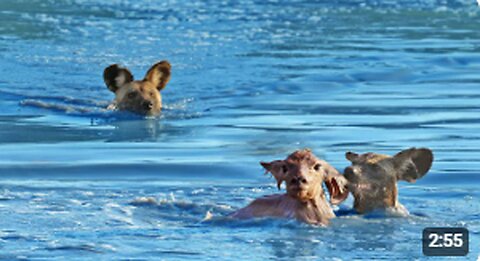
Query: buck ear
{"points": [[336, 184], [116, 76], [159, 74], [413, 163], [278, 170]]}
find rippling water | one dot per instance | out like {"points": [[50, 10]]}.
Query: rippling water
{"points": [[252, 80]]}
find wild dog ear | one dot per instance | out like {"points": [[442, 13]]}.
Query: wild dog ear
{"points": [[159, 74], [278, 170], [413, 163], [336, 184], [116, 76]]}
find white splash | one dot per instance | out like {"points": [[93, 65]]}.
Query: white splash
{"points": [[208, 216]]}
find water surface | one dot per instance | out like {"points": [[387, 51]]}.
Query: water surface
{"points": [[252, 81]]}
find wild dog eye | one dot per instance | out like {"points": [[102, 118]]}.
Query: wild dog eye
{"points": [[151, 93], [317, 166], [284, 168], [132, 95]]}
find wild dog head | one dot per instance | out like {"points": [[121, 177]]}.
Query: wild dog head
{"points": [[138, 96], [372, 178]]}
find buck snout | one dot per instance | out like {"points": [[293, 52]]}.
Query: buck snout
{"points": [[299, 181]]}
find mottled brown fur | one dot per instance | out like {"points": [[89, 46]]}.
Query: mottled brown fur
{"points": [[372, 178], [305, 199], [141, 96]]}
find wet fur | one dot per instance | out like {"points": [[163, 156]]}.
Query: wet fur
{"points": [[305, 199]]}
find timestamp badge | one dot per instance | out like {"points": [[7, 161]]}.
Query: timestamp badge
{"points": [[445, 241]]}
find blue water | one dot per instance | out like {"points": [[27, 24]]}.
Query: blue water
{"points": [[251, 81]]}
